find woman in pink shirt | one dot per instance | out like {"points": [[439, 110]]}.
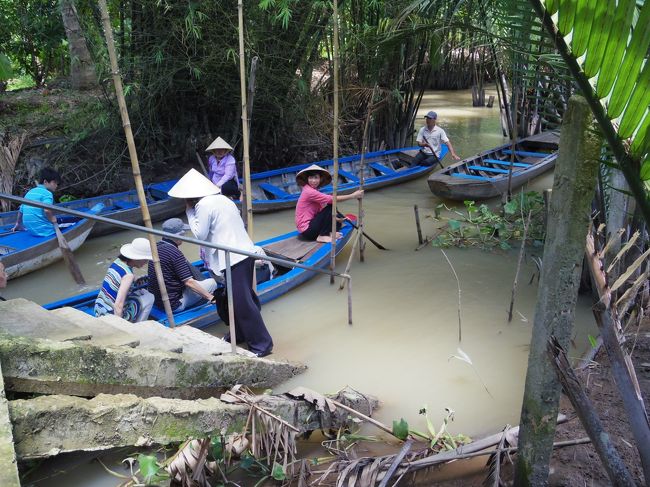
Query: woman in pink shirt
{"points": [[314, 209]]}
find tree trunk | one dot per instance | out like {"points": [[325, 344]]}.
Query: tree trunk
{"points": [[573, 188], [82, 68]]}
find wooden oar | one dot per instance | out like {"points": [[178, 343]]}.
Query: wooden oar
{"points": [[68, 257], [354, 225], [200, 159]]}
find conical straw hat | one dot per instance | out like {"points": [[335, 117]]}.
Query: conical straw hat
{"points": [[193, 185], [325, 176], [218, 143]]}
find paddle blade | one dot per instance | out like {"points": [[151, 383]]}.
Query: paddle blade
{"points": [[68, 257]]}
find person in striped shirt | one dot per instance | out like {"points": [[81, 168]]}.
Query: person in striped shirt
{"points": [[37, 221]]}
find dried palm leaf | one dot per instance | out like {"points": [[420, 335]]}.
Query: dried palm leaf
{"points": [[628, 298], [188, 467], [623, 251], [630, 270], [10, 147]]}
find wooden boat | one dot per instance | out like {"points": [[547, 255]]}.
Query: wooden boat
{"points": [[277, 189], [485, 175], [122, 206], [22, 252], [286, 246]]}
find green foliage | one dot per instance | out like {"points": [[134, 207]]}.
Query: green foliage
{"points": [[5, 68], [401, 429], [480, 226], [150, 470]]}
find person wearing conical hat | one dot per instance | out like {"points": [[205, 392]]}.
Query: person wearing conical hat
{"points": [[314, 209], [214, 218], [222, 168]]}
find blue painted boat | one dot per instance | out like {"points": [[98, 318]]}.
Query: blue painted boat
{"points": [[277, 189], [485, 175], [122, 206], [22, 252], [286, 278]]}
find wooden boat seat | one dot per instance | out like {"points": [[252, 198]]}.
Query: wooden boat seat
{"points": [[125, 205], [381, 168], [349, 176], [273, 191], [488, 169], [469, 176], [506, 163], [523, 153]]}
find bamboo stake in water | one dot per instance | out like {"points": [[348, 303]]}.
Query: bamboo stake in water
{"points": [[362, 164], [247, 203], [335, 176], [417, 223], [521, 255], [135, 165], [357, 238]]}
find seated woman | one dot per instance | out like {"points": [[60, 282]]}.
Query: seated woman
{"points": [[222, 168], [117, 295], [314, 209]]}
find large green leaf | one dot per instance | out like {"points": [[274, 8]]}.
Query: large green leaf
{"points": [[582, 29], [566, 15], [636, 108], [600, 29]]}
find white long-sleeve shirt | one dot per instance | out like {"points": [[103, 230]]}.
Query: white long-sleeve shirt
{"points": [[216, 219]]}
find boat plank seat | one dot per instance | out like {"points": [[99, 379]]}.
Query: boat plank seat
{"points": [[274, 191], [523, 153], [349, 176], [469, 176], [506, 163], [488, 169], [125, 204], [381, 168]]}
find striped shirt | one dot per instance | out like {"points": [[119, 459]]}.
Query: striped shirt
{"points": [[34, 218], [105, 301], [175, 270]]}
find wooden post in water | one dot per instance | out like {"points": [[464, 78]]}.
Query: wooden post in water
{"points": [[335, 158], [417, 223], [247, 204], [135, 166], [362, 164], [573, 189]]}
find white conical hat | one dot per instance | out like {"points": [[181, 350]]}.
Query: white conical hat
{"points": [[193, 185], [218, 143]]}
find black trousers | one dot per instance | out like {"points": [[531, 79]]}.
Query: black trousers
{"points": [[231, 189], [249, 324], [423, 159], [321, 224]]}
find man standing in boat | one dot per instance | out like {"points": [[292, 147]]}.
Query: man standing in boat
{"points": [[430, 139]]}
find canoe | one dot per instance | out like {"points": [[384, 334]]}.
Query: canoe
{"points": [[277, 189], [485, 175], [271, 190], [286, 246], [122, 206], [22, 252]]}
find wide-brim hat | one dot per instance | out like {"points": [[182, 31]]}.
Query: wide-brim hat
{"points": [[139, 249], [218, 143], [193, 185], [325, 176]]}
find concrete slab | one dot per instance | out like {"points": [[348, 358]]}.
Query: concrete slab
{"points": [[101, 334], [78, 368], [152, 335], [9, 476], [199, 342], [42, 425], [23, 318]]}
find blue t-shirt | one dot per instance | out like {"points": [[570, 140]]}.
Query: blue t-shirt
{"points": [[34, 218]]}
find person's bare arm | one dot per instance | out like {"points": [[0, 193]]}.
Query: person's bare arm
{"points": [[194, 285], [19, 222], [122, 293], [452, 151], [358, 194]]}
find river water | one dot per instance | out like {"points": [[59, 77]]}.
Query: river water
{"points": [[405, 304]]}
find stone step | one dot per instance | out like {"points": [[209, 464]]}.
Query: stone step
{"points": [[42, 425], [152, 335], [8, 467], [101, 335], [200, 342], [21, 317]]}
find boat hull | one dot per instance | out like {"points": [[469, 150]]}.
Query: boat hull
{"points": [[484, 175], [23, 261], [206, 314]]}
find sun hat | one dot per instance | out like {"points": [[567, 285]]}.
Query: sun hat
{"points": [[139, 249], [175, 226], [325, 177], [218, 143], [432, 115], [193, 185]]}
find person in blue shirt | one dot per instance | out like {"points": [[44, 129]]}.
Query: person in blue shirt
{"points": [[38, 221]]}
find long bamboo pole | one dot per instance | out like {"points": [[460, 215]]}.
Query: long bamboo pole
{"points": [[247, 203], [135, 166], [335, 176], [362, 178]]}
